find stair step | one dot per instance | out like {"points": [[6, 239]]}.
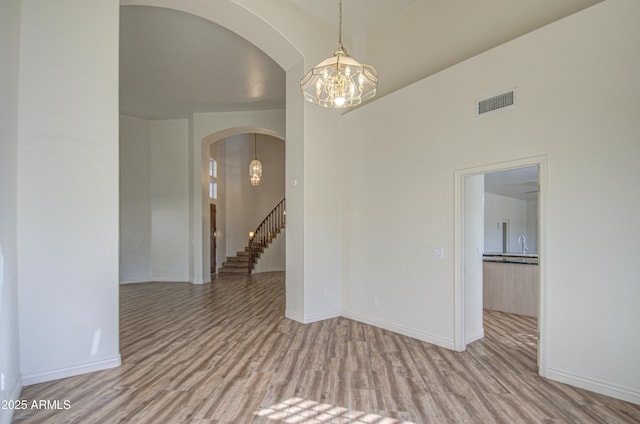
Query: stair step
{"points": [[235, 264], [244, 259], [240, 262], [224, 269]]}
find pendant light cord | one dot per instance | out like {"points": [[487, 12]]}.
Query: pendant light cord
{"points": [[340, 46]]}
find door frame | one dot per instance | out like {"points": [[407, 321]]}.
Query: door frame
{"points": [[212, 236], [459, 276]]}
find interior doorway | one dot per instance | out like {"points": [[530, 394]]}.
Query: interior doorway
{"points": [[470, 247]]}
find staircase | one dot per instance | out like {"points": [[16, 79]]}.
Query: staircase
{"points": [[238, 263], [244, 261]]}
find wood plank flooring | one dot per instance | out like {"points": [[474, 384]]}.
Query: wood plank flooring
{"points": [[224, 353]]}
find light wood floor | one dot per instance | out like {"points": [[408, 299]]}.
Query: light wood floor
{"points": [[224, 353]]}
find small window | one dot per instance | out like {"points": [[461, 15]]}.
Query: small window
{"points": [[213, 190], [213, 168]]}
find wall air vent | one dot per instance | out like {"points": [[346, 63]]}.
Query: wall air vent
{"points": [[496, 102]]}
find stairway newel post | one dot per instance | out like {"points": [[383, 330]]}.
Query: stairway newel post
{"points": [[251, 235]]}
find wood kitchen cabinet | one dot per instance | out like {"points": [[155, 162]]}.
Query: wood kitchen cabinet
{"points": [[511, 287]]}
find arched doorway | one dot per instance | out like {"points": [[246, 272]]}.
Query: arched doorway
{"points": [[259, 32], [206, 144]]}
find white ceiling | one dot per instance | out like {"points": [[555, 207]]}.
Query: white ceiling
{"points": [[173, 64], [520, 183], [358, 16]]}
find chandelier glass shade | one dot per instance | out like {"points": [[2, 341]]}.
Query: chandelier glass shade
{"points": [[255, 167], [339, 81]]}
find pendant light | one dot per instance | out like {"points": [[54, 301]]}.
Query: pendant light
{"points": [[339, 81], [255, 167]]}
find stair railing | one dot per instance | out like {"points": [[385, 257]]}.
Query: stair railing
{"points": [[266, 231]]}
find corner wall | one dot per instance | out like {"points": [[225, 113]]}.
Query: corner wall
{"points": [[67, 200], [578, 90], [169, 186], [135, 200], [9, 71], [154, 200]]}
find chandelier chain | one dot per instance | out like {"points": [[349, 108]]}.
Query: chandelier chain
{"points": [[340, 26], [339, 81]]}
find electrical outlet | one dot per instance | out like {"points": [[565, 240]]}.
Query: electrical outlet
{"points": [[438, 253], [375, 302]]}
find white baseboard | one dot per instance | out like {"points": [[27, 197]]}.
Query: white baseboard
{"points": [[294, 317], [594, 385], [170, 280], [56, 374], [429, 338], [308, 319], [425, 337], [472, 337], [259, 270], [14, 394], [129, 278]]}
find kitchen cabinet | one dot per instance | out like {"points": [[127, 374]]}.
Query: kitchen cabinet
{"points": [[511, 287]]}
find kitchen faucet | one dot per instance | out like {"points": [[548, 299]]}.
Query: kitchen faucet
{"points": [[523, 239]]}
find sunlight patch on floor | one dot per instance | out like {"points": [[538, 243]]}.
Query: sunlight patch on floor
{"points": [[301, 411]]}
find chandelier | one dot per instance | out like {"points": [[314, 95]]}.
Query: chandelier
{"points": [[255, 167], [339, 81]]}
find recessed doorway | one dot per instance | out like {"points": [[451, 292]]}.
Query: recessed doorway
{"points": [[470, 238]]}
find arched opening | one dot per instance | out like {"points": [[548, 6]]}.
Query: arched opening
{"points": [[239, 207], [276, 45]]}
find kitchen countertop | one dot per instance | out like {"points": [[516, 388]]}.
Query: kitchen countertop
{"points": [[512, 258]]}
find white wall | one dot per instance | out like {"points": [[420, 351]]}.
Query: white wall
{"points": [[9, 52], [577, 104], [271, 152], [240, 199], [323, 188], [135, 200], [154, 200], [294, 190], [501, 208], [532, 225], [273, 258], [169, 200], [68, 188], [474, 208]]}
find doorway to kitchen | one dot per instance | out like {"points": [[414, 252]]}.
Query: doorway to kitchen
{"points": [[471, 246]]}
